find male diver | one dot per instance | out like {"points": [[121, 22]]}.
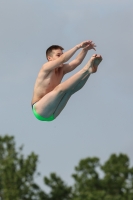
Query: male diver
{"points": [[50, 96]]}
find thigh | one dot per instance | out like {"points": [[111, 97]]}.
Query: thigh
{"points": [[62, 103], [47, 105]]}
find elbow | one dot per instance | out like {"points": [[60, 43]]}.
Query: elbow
{"points": [[63, 59], [78, 62]]}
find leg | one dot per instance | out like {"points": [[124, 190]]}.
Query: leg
{"points": [[75, 89], [81, 84], [66, 97], [83, 81], [55, 101]]}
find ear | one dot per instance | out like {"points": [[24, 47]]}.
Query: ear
{"points": [[49, 58]]}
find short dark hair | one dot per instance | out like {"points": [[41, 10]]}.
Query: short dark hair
{"points": [[53, 47]]}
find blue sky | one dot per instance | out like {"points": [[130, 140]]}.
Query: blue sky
{"points": [[98, 120]]}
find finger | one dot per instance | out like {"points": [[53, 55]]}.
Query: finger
{"points": [[93, 45], [88, 45], [87, 42]]}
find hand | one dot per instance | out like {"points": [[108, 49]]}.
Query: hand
{"points": [[87, 45], [90, 46]]}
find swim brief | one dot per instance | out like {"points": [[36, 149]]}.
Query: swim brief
{"points": [[39, 117]]}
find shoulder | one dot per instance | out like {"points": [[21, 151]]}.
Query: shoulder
{"points": [[46, 67], [43, 71]]}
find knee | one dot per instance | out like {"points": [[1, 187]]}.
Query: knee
{"points": [[59, 89], [62, 91]]}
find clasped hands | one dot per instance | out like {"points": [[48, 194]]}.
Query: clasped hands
{"points": [[87, 45]]}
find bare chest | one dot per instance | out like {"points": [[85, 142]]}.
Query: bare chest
{"points": [[55, 78], [45, 84]]}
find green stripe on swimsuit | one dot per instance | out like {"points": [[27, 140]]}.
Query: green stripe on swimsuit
{"points": [[39, 117]]}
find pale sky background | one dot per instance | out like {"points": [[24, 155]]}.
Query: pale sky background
{"points": [[98, 120]]}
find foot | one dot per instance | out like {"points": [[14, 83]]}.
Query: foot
{"points": [[94, 62]]}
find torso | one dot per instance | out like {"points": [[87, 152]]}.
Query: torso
{"points": [[46, 82]]}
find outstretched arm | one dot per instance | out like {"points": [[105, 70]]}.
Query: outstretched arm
{"points": [[64, 57], [78, 60]]}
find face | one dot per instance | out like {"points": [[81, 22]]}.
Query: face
{"points": [[56, 53]]}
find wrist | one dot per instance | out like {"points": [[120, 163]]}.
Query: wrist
{"points": [[78, 47], [85, 50]]}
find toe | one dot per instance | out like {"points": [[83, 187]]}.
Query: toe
{"points": [[93, 58], [94, 55], [99, 56]]}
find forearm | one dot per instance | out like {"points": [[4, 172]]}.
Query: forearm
{"points": [[81, 56], [67, 55]]}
